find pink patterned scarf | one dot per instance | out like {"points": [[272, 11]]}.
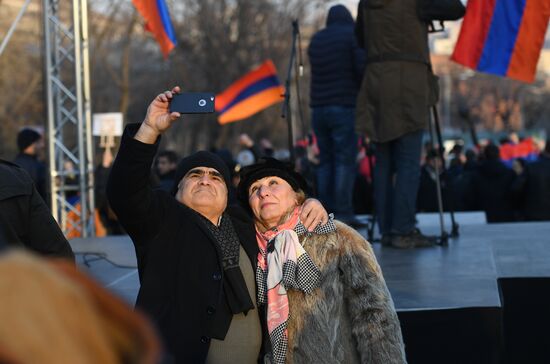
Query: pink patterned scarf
{"points": [[282, 264]]}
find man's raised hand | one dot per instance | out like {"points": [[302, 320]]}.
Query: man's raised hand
{"points": [[158, 118]]}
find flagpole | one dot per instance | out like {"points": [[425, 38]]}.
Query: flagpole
{"points": [[286, 112]]}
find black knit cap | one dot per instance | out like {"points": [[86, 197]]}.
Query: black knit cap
{"points": [[201, 159], [267, 167], [26, 137]]}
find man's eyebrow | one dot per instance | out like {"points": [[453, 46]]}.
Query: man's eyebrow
{"points": [[195, 170], [202, 171]]}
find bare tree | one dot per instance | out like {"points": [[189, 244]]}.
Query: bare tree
{"points": [[221, 40], [20, 76], [218, 42]]}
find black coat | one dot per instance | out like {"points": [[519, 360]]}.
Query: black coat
{"points": [[536, 189], [427, 200], [179, 262], [336, 60], [492, 191], [25, 220], [35, 169]]}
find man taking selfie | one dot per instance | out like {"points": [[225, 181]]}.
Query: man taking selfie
{"points": [[196, 255]]}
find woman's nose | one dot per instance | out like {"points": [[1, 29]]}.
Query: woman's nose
{"points": [[263, 191]]}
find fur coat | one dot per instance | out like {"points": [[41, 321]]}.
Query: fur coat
{"points": [[350, 318]]}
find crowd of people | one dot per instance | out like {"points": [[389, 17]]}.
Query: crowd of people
{"points": [[475, 179], [251, 250], [51, 312], [238, 262], [273, 279], [481, 179]]}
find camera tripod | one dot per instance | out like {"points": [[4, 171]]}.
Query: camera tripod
{"points": [[297, 63], [369, 151], [434, 126]]}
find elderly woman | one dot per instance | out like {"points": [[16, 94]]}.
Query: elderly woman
{"points": [[323, 292]]}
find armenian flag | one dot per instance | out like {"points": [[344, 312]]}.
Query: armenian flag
{"points": [[253, 92], [503, 37], [525, 149], [157, 21]]}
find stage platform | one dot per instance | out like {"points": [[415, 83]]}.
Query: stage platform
{"points": [[443, 294], [462, 274]]}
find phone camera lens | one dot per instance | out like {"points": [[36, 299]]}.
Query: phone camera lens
{"points": [[202, 102]]}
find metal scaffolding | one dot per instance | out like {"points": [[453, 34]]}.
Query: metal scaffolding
{"points": [[67, 85]]}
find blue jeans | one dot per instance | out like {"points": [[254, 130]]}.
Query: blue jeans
{"points": [[334, 128], [396, 181]]}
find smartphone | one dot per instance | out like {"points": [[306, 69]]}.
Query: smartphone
{"points": [[193, 103]]}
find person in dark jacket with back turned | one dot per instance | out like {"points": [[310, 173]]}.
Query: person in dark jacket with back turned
{"points": [[533, 187], [336, 70], [492, 187], [29, 143], [196, 255], [393, 110], [25, 220]]}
